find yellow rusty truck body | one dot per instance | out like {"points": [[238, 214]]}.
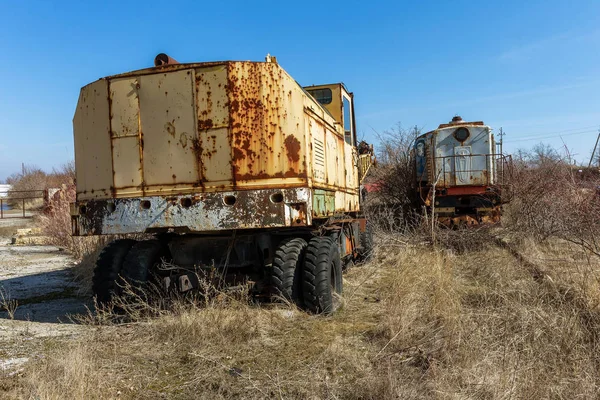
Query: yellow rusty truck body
{"points": [[233, 166], [211, 146]]}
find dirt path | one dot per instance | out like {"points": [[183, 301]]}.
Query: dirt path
{"points": [[37, 297]]}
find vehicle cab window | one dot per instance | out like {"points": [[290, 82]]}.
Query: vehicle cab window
{"points": [[347, 108], [323, 96]]}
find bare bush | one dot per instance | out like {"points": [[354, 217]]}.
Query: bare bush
{"points": [[391, 201], [7, 303], [27, 184], [32, 181], [55, 223], [30, 178], [63, 175], [552, 198], [394, 175]]}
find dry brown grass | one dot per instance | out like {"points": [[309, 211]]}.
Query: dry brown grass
{"points": [[417, 323]]}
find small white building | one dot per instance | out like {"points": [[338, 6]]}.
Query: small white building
{"points": [[4, 190]]}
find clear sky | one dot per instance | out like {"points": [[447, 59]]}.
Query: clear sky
{"points": [[529, 67]]}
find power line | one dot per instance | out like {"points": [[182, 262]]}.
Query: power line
{"points": [[556, 134], [564, 130], [548, 137]]}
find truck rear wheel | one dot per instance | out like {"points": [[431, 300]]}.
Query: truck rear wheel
{"points": [[143, 259], [322, 276], [287, 269], [108, 267]]}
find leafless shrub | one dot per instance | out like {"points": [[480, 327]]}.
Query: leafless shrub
{"points": [[552, 198], [26, 185], [9, 305], [390, 200], [55, 223], [63, 175], [31, 181]]}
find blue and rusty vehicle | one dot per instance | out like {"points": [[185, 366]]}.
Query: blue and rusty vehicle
{"points": [[232, 167]]}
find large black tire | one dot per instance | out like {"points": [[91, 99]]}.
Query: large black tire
{"points": [[108, 267], [141, 261], [322, 276], [287, 269]]}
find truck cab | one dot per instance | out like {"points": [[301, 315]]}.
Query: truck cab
{"points": [[339, 102]]}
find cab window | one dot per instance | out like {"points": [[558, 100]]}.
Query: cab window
{"points": [[323, 96], [347, 121]]}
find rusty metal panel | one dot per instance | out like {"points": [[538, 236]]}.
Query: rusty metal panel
{"points": [[215, 157], [332, 155], [266, 116], [91, 129], [126, 164], [317, 135], [211, 97], [195, 213], [340, 180], [350, 165], [462, 162], [124, 107], [168, 121], [345, 201], [323, 203], [125, 132], [213, 149]]}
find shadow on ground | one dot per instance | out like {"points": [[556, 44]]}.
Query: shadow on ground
{"points": [[39, 281], [44, 297]]}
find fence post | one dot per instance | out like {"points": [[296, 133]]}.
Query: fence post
{"points": [[23, 207], [1, 208]]}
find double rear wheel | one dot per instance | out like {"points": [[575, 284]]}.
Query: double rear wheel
{"points": [[322, 276], [308, 274], [125, 267], [108, 269]]}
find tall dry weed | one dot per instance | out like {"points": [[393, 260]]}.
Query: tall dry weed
{"points": [[418, 323]]}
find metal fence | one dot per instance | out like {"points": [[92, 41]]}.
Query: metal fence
{"points": [[20, 198]]}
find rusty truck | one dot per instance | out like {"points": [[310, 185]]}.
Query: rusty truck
{"points": [[232, 167]]}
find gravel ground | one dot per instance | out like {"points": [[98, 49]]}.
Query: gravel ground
{"points": [[37, 279]]}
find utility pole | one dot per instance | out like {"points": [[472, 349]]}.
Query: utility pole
{"points": [[594, 152], [499, 144], [500, 158]]}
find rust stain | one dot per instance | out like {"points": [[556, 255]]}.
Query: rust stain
{"points": [[198, 150], [170, 128], [262, 175], [183, 139], [205, 124], [292, 146], [238, 154]]}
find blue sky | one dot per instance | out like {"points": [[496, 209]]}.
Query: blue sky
{"points": [[529, 67]]}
